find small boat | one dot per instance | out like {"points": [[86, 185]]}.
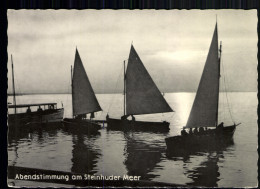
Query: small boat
{"points": [[204, 112], [141, 96], [46, 112], [84, 100]]}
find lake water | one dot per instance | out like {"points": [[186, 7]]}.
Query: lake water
{"points": [[143, 153]]}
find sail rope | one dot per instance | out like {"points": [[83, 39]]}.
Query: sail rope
{"points": [[226, 93], [114, 91]]}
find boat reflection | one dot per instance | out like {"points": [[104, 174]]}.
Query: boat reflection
{"points": [[32, 133], [79, 129], [42, 131], [181, 152], [206, 174], [141, 157], [84, 156]]}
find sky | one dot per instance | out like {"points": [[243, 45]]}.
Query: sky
{"points": [[172, 44]]}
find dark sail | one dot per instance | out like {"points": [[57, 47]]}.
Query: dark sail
{"points": [[205, 105], [83, 97], [142, 95]]}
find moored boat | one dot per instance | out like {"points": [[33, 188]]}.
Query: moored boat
{"points": [[213, 140], [84, 100], [48, 114], [205, 109], [141, 96]]}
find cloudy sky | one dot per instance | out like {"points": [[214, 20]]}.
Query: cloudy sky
{"points": [[173, 45]]}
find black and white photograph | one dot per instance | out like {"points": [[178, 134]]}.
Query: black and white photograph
{"points": [[132, 98]]}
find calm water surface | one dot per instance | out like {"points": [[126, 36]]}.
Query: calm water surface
{"points": [[139, 153]]}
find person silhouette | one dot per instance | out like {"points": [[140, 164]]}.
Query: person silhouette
{"points": [[195, 130], [183, 132], [29, 110], [133, 118]]}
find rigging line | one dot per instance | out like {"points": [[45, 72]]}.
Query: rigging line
{"points": [[115, 89], [228, 86], [223, 99], [228, 104], [220, 97], [222, 108]]}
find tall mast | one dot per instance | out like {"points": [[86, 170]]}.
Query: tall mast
{"points": [[14, 99], [220, 51], [124, 88], [71, 70]]}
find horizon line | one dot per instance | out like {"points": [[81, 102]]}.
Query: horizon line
{"points": [[35, 93]]}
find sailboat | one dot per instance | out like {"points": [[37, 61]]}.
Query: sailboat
{"points": [[204, 112], [46, 112], [141, 96], [84, 100]]}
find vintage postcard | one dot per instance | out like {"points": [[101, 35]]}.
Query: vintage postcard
{"points": [[137, 98]]}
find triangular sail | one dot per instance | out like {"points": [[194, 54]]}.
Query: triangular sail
{"points": [[83, 97], [205, 106], [142, 95]]}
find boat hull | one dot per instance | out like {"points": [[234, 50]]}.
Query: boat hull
{"points": [[46, 116], [127, 125], [212, 140], [85, 126]]}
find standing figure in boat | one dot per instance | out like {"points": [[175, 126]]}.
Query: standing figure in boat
{"points": [[141, 96], [204, 111], [84, 100]]}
